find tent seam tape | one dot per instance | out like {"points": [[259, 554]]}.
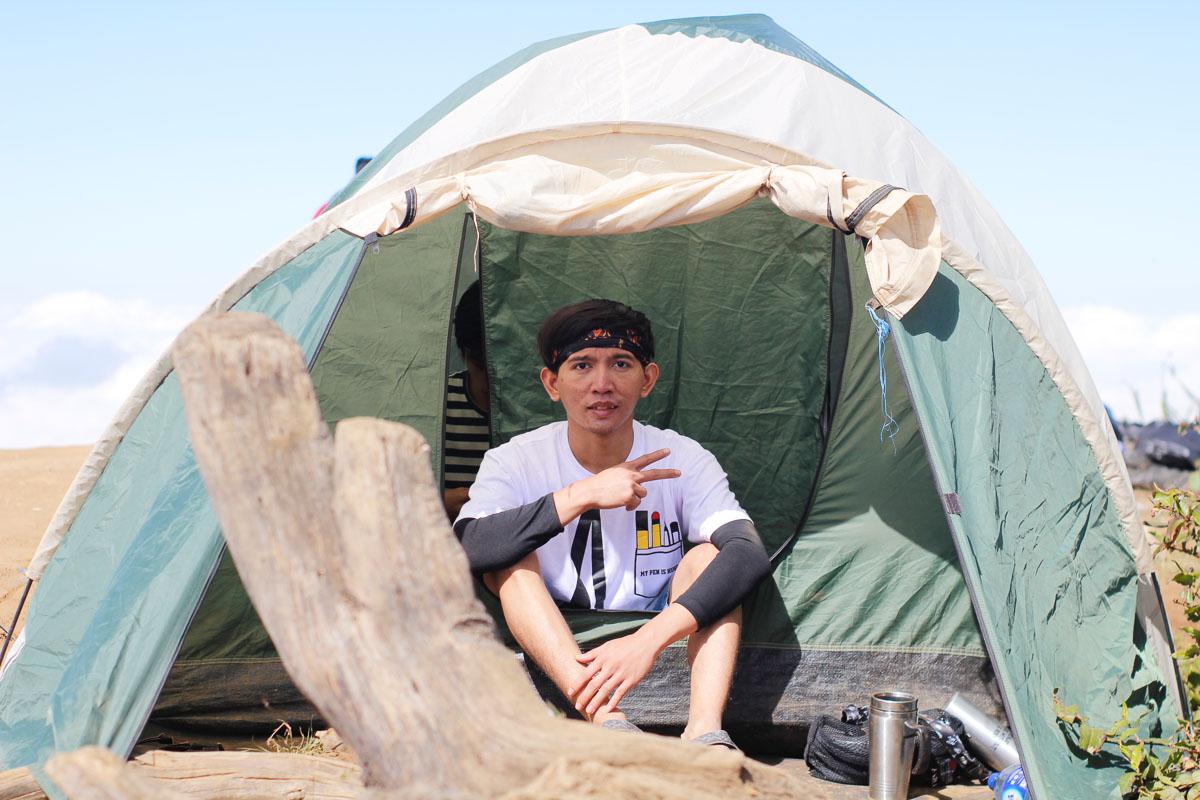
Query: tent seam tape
{"points": [[870, 648], [228, 661]]}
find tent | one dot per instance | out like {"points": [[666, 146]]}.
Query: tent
{"points": [[881, 371]]}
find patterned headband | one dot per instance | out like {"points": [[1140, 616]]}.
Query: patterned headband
{"points": [[627, 339]]}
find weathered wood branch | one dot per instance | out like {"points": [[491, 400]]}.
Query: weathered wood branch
{"points": [[94, 772], [347, 556], [248, 775], [97, 773], [19, 784]]}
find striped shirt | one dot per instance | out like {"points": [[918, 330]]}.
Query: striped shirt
{"points": [[467, 434]]}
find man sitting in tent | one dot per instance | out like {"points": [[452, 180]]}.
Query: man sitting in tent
{"points": [[592, 513]]}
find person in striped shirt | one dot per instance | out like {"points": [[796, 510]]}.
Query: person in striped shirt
{"points": [[467, 403]]}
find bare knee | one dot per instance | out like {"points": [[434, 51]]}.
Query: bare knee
{"points": [[694, 562], [526, 566]]}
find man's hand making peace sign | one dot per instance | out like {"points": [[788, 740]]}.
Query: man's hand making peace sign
{"points": [[612, 488]]}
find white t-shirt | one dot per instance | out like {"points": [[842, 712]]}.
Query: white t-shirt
{"points": [[610, 558]]}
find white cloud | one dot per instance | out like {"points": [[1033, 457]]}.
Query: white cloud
{"points": [[69, 360], [1140, 356]]}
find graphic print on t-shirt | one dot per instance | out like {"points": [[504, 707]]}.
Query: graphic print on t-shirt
{"points": [[589, 528], [659, 549]]}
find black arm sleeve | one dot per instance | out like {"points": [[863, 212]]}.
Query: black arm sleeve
{"points": [[502, 539], [739, 566]]}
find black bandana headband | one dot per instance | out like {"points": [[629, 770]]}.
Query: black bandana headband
{"points": [[627, 339]]}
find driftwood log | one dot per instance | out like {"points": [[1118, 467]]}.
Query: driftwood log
{"points": [[94, 772], [19, 784], [97, 773], [250, 775], [347, 556]]}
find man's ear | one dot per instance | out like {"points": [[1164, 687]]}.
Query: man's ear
{"points": [[651, 372], [550, 384]]}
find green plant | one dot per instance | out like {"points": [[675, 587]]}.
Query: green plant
{"points": [[1157, 769]]}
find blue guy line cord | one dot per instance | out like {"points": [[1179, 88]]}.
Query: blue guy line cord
{"points": [[890, 427]]}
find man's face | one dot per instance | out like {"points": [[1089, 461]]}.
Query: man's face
{"points": [[599, 388]]}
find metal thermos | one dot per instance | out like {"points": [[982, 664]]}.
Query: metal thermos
{"points": [[892, 738], [989, 738]]}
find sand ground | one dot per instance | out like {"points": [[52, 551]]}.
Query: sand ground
{"points": [[32, 482]]}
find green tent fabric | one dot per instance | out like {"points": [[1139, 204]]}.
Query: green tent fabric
{"points": [[815, 637], [114, 605], [1029, 507], [876, 532], [384, 355], [977, 551], [867, 587]]}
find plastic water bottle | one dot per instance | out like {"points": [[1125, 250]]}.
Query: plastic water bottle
{"points": [[1009, 784]]}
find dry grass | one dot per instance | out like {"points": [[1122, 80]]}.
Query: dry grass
{"points": [[282, 740]]}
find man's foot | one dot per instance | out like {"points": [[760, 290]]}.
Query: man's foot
{"points": [[699, 727], [621, 724], [602, 717], [718, 738]]}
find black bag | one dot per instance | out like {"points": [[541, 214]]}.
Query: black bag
{"points": [[837, 750]]}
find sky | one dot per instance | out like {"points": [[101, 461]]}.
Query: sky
{"points": [[150, 152]]}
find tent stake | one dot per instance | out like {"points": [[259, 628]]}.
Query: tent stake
{"points": [[13, 627]]}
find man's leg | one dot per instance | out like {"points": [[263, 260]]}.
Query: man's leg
{"points": [[712, 651], [538, 625]]}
